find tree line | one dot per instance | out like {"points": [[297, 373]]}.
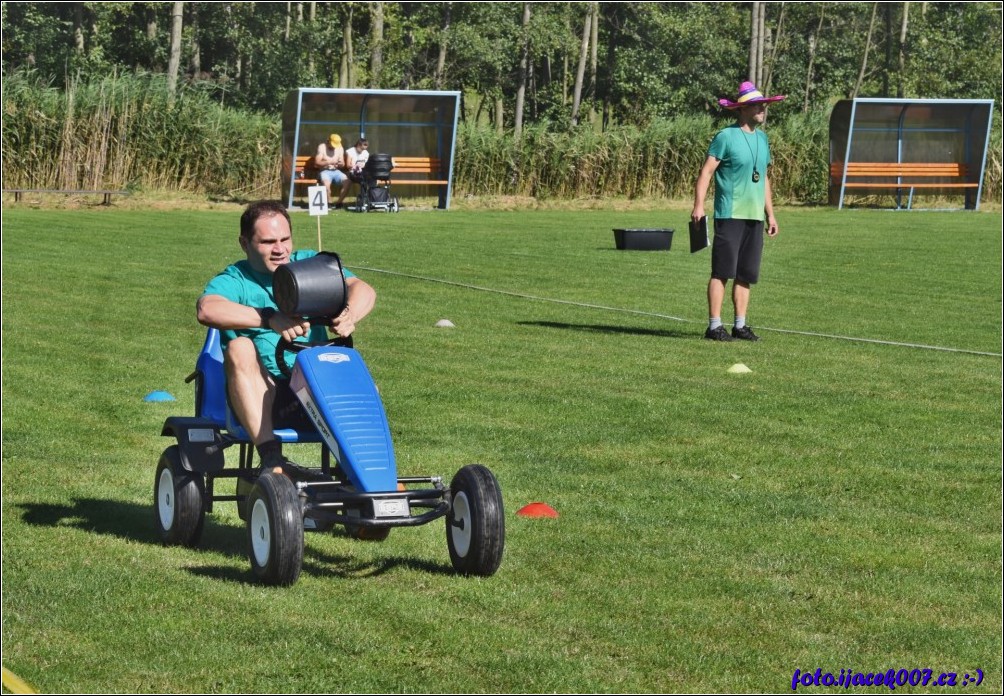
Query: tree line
{"points": [[560, 99], [559, 63]]}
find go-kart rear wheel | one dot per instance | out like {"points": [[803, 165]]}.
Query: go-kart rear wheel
{"points": [[178, 501], [275, 530], [475, 525]]}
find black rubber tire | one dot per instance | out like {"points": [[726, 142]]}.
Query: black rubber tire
{"points": [[179, 510], [475, 525], [275, 530]]}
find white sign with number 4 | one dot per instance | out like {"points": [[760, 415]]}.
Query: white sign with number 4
{"points": [[318, 197]]}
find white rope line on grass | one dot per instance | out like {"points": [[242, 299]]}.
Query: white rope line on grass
{"points": [[639, 312]]}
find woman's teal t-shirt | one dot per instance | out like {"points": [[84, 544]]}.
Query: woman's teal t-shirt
{"points": [[736, 194]]}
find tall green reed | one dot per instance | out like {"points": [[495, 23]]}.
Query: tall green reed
{"points": [[124, 132]]}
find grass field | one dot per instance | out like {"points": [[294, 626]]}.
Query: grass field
{"points": [[839, 507]]}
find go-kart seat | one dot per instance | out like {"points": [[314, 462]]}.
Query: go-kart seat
{"points": [[211, 396]]}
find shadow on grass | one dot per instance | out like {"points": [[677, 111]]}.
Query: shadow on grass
{"points": [[320, 564], [606, 328], [127, 521], [135, 522]]}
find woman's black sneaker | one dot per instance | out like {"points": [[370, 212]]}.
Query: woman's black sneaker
{"points": [[744, 333], [718, 334]]}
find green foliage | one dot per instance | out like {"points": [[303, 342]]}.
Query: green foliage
{"points": [[660, 160], [837, 507], [121, 132], [655, 60], [667, 66]]}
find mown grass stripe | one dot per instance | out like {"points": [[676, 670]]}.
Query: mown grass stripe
{"points": [[657, 315]]}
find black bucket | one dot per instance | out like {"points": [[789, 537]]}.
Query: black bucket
{"points": [[313, 287]]}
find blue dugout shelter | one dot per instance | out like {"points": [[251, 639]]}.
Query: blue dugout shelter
{"points": [[401, 123], [908, 147]]}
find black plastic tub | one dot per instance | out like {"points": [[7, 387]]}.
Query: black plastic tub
{"points": [[659, 239]]}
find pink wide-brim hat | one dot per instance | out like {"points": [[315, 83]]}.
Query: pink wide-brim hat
{"points": [[749, 94]]}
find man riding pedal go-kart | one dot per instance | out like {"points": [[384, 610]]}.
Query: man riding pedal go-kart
{"points": [[268, 374]]}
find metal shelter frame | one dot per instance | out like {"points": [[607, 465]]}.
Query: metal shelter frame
{"points": [[971, 129], [424, 119]]}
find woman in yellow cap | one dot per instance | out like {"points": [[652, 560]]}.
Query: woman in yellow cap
{"points": [[330, 160]]}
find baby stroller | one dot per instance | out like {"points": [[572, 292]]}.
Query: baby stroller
{"points": [[374, 185]]}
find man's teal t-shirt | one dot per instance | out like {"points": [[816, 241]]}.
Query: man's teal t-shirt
{"points": [[736, 194], [242, 284]]}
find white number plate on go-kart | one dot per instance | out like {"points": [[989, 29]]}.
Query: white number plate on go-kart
{"points": [[395, 507]]}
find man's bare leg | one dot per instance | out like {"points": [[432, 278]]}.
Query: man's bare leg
{"points": [[740, 298], [251, 388], [716, 296]]}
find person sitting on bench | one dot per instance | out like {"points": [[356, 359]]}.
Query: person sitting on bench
{"points": [[330, 160]]}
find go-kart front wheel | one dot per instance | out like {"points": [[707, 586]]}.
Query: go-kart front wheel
{"points": [[275, 530], [179, 510], [475, 525]]}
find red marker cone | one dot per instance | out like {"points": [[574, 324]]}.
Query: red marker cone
{"points": [[537, 510]]}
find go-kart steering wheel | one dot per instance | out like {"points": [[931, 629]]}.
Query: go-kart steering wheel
{"points": [[284, 346]]}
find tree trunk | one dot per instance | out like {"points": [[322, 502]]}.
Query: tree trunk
{"points": [[346, 79], [901, 89], [761, 43], [755, 39], [812, 57], [594, 41], [174, 62], [78, 28], [564, 78], [289, 21], [774, 51], [564, 66], [311, 14], [444, 35], [523, 61], [613, 40], [499, 115], [195, 62], [581, 70], [864, 58], [376, 53], [887, 68]]}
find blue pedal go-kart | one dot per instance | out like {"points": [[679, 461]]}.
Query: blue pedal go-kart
{"points": [[355, 484]]}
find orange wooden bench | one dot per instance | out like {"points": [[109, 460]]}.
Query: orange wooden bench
{"points": [[408, 171], [908, 175], [407, 168], [303, 164]]}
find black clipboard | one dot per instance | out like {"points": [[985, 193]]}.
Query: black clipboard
{"points": [[699, 234]]}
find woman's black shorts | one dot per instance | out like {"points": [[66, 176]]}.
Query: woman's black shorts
{"points": [[737, 250]]}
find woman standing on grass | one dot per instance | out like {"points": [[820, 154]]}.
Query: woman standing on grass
{"points": [[738, 158]]}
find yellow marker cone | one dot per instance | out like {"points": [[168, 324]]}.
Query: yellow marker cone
{"points": [[15, 684], [739, 369]]}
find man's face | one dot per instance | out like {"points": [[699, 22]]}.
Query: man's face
{"points": [[755, 113], [270, 245]]}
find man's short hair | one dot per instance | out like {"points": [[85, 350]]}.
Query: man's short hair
{"points": [[362, 141], [258, 210]]}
